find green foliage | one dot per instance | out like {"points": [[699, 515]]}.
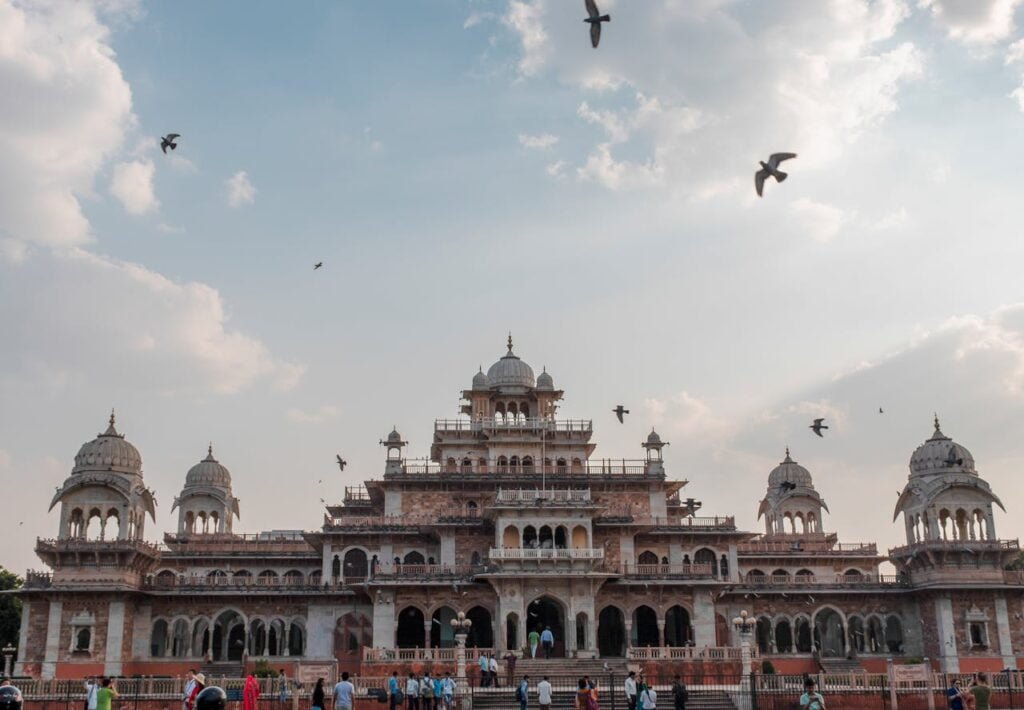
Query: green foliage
{"points": [[10, 609], [1017, 563], [262, 669]]}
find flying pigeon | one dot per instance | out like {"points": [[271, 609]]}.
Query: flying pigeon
{"points": [[317, 265], [619, 411], [788, 485], [342, 463], [771, 169], [168, 142], [818, 426], [594, 20]]}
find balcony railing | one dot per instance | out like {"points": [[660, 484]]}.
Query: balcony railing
{"points": [[384, 523], [246, 583], [356, 494], [489, 425], [426, 571], [523, 554], [99, 546], [619, 516], [809, 580], [808, 547], [667, 571], [621, 468], [390, 655], [686, 653], [953, 545], [531, 495], [290, 543], [37, 580]]}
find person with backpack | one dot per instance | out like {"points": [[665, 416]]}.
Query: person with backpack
{"points": [[648, 698], [679, 694], [395, 697], [523, 692], [448, 691], [426, 692], [91, 688]]}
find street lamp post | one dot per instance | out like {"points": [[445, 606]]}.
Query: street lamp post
{"points": [[461, 625], [8, 652], [744, 625]]}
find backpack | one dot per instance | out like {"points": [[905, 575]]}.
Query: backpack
{"points": [[427, 689], [399, 697], [519, 693]]}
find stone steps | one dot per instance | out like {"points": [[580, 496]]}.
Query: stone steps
{"points": [[504, 699]]}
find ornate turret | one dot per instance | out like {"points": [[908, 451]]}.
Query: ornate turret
{"points": [[206, 505], [791, 504]]}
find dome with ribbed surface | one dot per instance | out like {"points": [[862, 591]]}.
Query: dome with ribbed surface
{"points": [[480, 380], [108, 452], [940, 454], [789, 470], [545, 381], [510, 371], [207, 472]]}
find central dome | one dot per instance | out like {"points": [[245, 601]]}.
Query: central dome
{"points": [[940, 454], [510, 371], [108, 452], [208, 471]]}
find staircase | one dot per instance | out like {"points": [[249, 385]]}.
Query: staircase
{"points": [[504, 699], [839, 666], [222, 669], [537, 668]]}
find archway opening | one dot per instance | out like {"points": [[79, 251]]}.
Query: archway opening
{"points": [[352, 632], [645, 628], [546, 613], [481, 633], [764, 635], [783, 636], [410, 628], [830, 634], [228, 637], [355, 566], [512, 632], [442, 635], [611, 633], [677, 627]]}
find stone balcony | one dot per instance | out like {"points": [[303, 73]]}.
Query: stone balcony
{"points": [[806, 548], [521, 560], [518, 497], [522, 424]]}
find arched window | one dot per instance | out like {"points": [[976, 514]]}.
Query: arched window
{"points": [[257, 638], [179, 639], [410, 628], [502, 464], [481, 633], [830, 633], [530, 536], [579, 537], [705, 556], [450, 465], [806, 574], [513, 464], [441, 633], [527, 464], [293, 577], [611, 633], [803, 635], [467, 465], [764, 634], [157, 640], [546, 537], [336, 567], [894, 634], [83, 638], [781, 573], [510, 538], [512, 632], [876, 636], [414, 558], [268, 576], [560, 538], [356, 567], [677, 626], [855, 627], [645, 627], [783, 636], [296, 639], [560, 466], [475, 558], [647, 558]]}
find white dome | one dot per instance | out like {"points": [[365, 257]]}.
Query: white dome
{"points": [[940, 454], [653, 439], [394, 437], [545, 381], [480, 381], [510, 371], [790, 470], [108, 452], [208, 472]]}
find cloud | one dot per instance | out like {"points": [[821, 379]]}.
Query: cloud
{"points": [[165, 228], [525, 19], [539, 142], [5, 460], [821, 221], [126, 324], [240, 190], [686, 417], [316, 416], [973, 21], [893, 220], [132, 185], [556, 169], [71, 115]]}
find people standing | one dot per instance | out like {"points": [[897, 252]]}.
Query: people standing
{"points": [[523, 692], [412, 692], [510, 667], [981, 692], [393, 700], [91, 688], [485, 669], [198, 683], [106, 693], [344, 693], [426, 692], [544, 694], [547, 641], [533, 638], [251, 694], [492, 664], [190, 681], [448, 691], [316, 702], [582, 695], [282, 689], [812, 700], [679, 694], [648, 698], [630, 688]]}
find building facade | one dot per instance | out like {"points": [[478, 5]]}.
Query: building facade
{"points": [[511, 521]]}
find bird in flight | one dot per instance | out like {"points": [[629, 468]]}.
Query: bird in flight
{"points": [[619, 411], [594, 19], [771, 169], [317, 265], [168, 142], [881, 411], [818, 426], [342, 463]]}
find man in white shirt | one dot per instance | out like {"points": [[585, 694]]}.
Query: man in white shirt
{"points": [[344, 693], [448, 690], [412, 693], [190, 684], [648, 698], [493, 666], [544, 694], [90, 693], [630, 688]]}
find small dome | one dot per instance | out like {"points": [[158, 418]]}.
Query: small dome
{"points": [[789, 470], [653, 439], [480, 381], [108, 452], [545, 381], [510, 371], [394, 437], [208, 472], [940, 454]]}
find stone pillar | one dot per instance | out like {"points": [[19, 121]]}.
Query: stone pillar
{"points": [[384, 620], [675, 556], [26, 615], [447, 549], [661, 632], [1003, 631], [142, 625], [320, 625], [115, 638], [426, 632], [734, 563], [627, 554], [570, 636], [949, 662], [629, 632], [990, 528], [52, 651], [325, 571], [284, 637], [703, 618]]}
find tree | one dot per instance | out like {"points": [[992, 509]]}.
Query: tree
{"points": [[10, 609], [1017, 563]]}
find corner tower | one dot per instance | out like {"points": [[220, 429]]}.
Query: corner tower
{"points": [[206, 505], [791, 505]]}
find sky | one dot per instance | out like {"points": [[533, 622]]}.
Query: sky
{"points": [[469, 168]]}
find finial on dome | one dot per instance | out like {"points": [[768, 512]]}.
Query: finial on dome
{"points": [[111, 430], [787, 459], [936, 421], [209, 451], [510, 341], [112, 416]]}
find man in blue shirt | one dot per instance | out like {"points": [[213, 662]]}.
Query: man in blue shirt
{"points": [[956, 696], [393, 690], [547, 641], [523, 691]]}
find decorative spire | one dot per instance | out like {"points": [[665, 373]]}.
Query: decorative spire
{"points": [[936, 421], [938, 432], [111, 430], [209, 452], [787, 459], [510, 342]]}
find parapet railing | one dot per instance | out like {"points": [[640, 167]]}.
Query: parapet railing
{"points": [[519, 554], [616, 516], [592, 469], [531, 495], [657, 571], [585, 426], [680, 653], [397, 522], [965, 545], [808, 547], [82, 545], [810, 580], [390, 655]]}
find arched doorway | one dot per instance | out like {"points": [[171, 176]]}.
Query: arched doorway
{"points": [[830, 634], [355, 566], [611, 633], [481, 633], [228, 637], [410, 628], [512, 632], [442, 635], [546, 613], [352, 632], [677, 626], [645, 628]]}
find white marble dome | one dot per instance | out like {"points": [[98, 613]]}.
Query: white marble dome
{"points": [[790, 470], [108, 452], [545, 381], [510, 371], [940, 454], [207, 472], [394, 437], [480, 381]]}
